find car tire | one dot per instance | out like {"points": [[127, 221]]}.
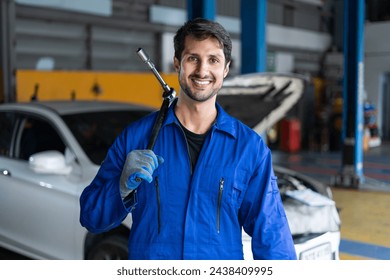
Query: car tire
{"points": [[112, 247]]}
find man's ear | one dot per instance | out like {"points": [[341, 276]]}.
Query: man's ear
{"points": [[176, 64], [226, 70]]}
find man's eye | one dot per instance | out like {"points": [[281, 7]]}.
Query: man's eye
{"points": [[214, 60], [192, 58]]}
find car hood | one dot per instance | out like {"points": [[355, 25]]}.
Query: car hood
{"points": [[261, 99]]}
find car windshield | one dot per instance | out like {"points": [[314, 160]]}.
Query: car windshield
{"points": [[96, 131]]}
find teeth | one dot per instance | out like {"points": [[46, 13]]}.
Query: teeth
{"points": [[201, 82]]}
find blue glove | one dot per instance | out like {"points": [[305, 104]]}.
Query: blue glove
{"points": [[139, 165]]}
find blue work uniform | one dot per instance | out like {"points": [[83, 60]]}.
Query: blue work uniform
{"points": [[193, 213]]}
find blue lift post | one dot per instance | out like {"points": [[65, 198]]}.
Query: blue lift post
{"points": [[201, 8], [253, 30], [253, 36], [351, 173]]}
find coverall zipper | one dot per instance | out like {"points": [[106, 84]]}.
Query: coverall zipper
{"points": [[158, 205], [221, 182]]}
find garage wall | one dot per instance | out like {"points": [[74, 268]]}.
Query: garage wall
{"points": [[78, 41], [96, 42]]}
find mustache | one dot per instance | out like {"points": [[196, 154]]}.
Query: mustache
{"points": [[197, 76]]}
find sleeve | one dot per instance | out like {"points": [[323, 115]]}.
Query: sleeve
{"points": [[101, 205], [263, 217]]}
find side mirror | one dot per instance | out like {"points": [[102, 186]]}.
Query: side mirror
{"points": [[49, 162]]}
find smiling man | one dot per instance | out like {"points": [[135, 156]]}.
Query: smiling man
{"points": [[208, 178]]}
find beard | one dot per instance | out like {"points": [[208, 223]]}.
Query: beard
{"points": [[197, 95]]}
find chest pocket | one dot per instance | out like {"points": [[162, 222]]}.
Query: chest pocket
{"points": [[226, 184]]}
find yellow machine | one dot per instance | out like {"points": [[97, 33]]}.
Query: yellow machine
{"points": [[141, 88]]}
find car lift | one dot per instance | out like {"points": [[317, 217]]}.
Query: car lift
{"points": [[351, 173]]}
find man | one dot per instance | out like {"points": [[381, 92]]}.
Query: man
{"points": [[208, 177]]}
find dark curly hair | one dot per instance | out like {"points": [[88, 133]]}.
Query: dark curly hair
{"points": [[201, 29]]}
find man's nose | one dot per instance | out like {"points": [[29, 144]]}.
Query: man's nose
{"points": [[202, 68]]}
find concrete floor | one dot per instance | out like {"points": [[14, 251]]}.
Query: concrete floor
{"points": [[364, 211]]}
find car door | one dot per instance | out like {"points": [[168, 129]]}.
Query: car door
{"points": [[36, 210]]}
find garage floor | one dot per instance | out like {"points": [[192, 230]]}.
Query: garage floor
{"points": [[365, 211]]}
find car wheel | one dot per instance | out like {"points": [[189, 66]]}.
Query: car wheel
{"points": [[110, 248]]}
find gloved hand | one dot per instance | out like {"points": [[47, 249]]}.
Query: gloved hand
{"points": [[139, 165]]}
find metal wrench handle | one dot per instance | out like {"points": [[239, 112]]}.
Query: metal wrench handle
{"points": [[145, 58], [168, 96]]}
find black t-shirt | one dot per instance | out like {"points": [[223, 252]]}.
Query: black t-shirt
{"points": [[195, 143]]}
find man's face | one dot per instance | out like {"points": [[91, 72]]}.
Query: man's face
{"points": [[201, 69]]}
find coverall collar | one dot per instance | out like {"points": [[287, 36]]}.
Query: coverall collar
{"points": [[223, 122]]}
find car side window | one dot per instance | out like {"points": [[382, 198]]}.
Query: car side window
{"points": [[37, 136], [7, 124]]}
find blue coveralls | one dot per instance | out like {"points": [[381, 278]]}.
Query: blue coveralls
{"points": [[193, 214]]}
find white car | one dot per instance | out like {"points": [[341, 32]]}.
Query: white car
{"points": [[50, 151]]}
